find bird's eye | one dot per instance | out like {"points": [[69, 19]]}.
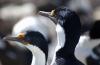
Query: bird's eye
{"points": [[28, 38]]}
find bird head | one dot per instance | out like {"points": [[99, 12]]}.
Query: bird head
{"points": [[37, 32], [35, 42], [21, 37]]}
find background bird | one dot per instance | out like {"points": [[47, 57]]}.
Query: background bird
{"points": [[87, 50]]}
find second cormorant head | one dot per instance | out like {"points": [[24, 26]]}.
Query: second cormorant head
{"points": [[70, 22]]}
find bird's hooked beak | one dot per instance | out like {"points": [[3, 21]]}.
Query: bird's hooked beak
{"points": [[19, 38]]}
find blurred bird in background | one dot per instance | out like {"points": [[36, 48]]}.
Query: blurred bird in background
{"points": [[87, 50]]}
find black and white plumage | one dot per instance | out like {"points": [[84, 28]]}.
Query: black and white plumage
{"points": [[70, 24], [41, 35], [63, 36], [87, 50]]}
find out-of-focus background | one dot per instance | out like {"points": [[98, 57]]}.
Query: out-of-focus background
{"points": [[11, 11]]}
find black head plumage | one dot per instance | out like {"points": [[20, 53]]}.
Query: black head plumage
{"points": [[37, 39], [70, 22]]}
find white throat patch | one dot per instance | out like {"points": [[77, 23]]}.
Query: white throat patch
{"points": [[38, 55]]}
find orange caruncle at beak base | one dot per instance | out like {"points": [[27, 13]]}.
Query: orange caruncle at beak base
{"points": [[21, 36]]}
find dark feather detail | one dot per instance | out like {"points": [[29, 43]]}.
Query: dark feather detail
{"points": [[70, 22], [37, 39]]}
